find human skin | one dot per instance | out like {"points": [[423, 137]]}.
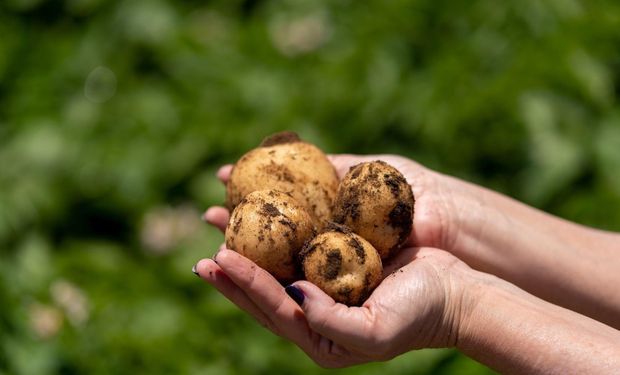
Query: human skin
{"points": [[428, 299], [561, 262]]}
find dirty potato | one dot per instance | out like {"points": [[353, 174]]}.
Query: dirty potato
{"points": [[270, 228], [376, 202], [342, 264]]}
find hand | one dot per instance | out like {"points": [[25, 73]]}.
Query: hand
{"points": [[333, 334], [421, 303]]}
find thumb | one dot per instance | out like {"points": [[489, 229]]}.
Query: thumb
{"points": [[348, 326]]}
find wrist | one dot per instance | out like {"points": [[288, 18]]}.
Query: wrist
{"points": [[515, 332], [463, 288], [484, 296], [564, 263], [461, 213], [474, 290]]}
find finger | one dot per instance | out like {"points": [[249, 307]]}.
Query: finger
{"points": [[268, 295], [351, 327], [209, 271], [223, 174], [217, 216]]}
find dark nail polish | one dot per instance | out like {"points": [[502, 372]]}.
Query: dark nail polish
{"points": [[194, 271], [295, 293]]}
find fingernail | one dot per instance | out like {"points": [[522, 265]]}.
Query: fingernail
{"points": [[295, 293], [214, 257], [194, 271]]}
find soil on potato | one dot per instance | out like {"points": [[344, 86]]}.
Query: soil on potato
{"points": [[401, 217], [394, 182], [348, 202], [366, 291], [359, 249], [333, 263], [280, 138], [350, 208], [279, 171], [346, 292], [237, 225], [270, 210], [336, 227]]}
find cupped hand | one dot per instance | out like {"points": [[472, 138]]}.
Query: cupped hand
{"points": [[417, 305], [421, 303]]}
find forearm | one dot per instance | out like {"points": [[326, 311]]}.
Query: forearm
{"points": [[515, 332], [562, 262]]}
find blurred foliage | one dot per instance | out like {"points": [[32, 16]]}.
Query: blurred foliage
{"points": [[114, 116]]}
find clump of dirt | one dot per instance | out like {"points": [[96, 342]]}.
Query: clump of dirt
{"points": [[279, 171], [270, 210], [333, 263], [394, 181], [237, 225], [350, 208], [401, 218], [280, 138], [359, 249]]}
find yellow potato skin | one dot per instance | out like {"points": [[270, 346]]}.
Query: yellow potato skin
{"points": [[342, 264], [294, 167], [270, 228], [376, 202]]}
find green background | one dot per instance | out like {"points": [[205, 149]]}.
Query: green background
{"points": [[115, 115]]}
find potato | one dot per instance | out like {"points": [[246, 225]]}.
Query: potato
{"points": [[270, 228], [376, 202], [283, 162], [342, 264]]}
